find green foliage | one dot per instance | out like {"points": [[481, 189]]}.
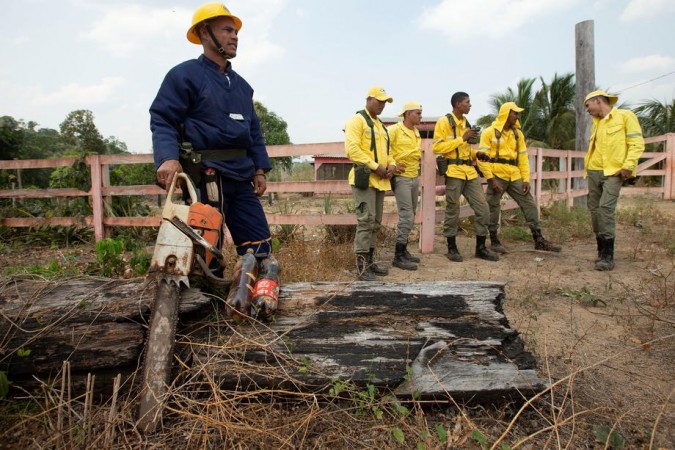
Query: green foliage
{"points": [[337, 234], [79, 129], [4, 385], [656, 118], [398, 435], [286, 232], [609, 437], [480, 438], [275, 131], [76, 176], [441, 433], [573, 222], [365, 400], [584, 296], [549, 119], [50, 271], [301, 171], [516, 233], [109, 256], [23, 353], [140, 262]]}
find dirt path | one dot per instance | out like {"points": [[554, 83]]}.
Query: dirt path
{"points": [[619, 325]]}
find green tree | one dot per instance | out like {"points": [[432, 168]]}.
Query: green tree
{"points": [[11, 137], [80, 130], [656, 118], [549, 119], [555, 124], [523, 96], [275, 130]]}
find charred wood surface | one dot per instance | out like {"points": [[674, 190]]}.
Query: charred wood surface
{"points": [[431, 339]]}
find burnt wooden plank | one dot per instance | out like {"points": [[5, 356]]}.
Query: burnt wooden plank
{"points": [[431, 339]]}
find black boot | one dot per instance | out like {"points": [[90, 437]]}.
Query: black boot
{"points": [[363, 268], [600, 242], [542, 244], [495, 245], [408, 256], [376, 269], [400, 260], [453, 252], [483, 252], [607, 256]]}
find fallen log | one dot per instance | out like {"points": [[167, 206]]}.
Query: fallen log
{"points": [[426, 339]]}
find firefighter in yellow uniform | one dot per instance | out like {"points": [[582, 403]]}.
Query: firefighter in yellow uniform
{"points": [[508, 170], [367, 146], [406, 149], [614, 148], [452, 134]]}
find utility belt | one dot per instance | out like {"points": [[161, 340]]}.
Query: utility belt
{"points": [[460, 162], [511, 162], [191, 161], [197, 156]]}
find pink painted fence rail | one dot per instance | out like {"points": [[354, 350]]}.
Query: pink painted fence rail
{"points": [[428, 215]]}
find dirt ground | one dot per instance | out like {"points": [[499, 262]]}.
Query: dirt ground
{"points": [[607, 338], [614, 331]]}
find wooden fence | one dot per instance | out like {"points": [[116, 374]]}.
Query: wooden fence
{"points": [[428, 215]]}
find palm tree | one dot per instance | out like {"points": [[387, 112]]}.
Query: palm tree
{"points": [[554, 105], [523, 96], [549, 119], [656, 118]]}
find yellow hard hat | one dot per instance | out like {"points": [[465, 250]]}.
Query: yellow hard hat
{"points": [[209, 11]]}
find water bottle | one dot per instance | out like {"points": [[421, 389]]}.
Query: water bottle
{"points": [[266, 291], [241, 291]]}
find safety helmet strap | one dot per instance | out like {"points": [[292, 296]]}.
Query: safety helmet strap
{"points": [[220, 48]]}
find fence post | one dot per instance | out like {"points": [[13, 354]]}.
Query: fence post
{"points": [[669, 179], [569, 200], [96, 196], [428, 188], [539, 161]]}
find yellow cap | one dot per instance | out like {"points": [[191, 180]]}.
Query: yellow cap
{"points": [[610, 98], [209, 11], [410, 106], [379, 93]]}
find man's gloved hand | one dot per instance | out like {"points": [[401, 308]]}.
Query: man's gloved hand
{"points": [[167, 171], [526, 188], [492, 184]]}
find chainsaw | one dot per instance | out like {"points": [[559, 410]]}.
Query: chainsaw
{"points": [[187, 244]]}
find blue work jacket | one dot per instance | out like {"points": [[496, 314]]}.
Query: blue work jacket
{"points": [[217, 112]]}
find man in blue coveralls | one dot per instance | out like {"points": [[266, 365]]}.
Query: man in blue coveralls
{"points": [[205, 103]]}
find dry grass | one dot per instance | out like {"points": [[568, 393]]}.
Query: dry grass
{"points": [[602, 395]]}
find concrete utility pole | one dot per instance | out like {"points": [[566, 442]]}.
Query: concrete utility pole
{"points": [[585, 83]]}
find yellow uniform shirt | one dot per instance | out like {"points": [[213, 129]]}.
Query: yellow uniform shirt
{"points": [[451, 147], [406, 148], [616, 143], [357, 149], [506, 144]]}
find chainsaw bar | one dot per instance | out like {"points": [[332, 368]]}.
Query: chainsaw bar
{"points": [[159, 353]]}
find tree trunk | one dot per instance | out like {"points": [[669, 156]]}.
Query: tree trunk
{"points": [[427, 339]]}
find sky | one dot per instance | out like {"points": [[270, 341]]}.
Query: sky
{"points": [[311, 62]]}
